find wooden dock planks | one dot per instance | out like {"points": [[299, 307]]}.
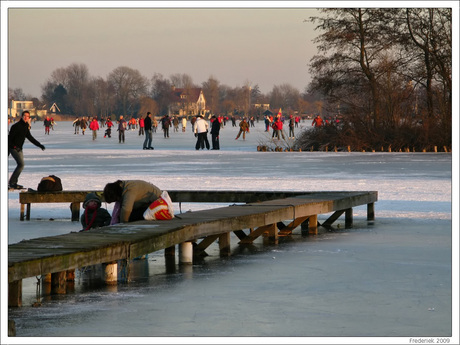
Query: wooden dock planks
{"points": [[45, 255]]}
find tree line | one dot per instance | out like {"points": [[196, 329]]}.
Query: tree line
{"points": [[388, 72], [125, 91]]}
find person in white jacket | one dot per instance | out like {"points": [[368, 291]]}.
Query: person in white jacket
{"points": [[201, 133]]}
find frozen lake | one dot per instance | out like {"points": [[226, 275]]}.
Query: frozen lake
{"points": [[388, 278]]}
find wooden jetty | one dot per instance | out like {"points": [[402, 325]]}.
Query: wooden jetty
{"points": [[259, 212]]}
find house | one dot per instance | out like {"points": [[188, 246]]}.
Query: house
{"points": [[262, 106], [54, 107], [17, 107], [187, 102]]}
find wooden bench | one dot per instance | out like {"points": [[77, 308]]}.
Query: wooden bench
{"points": [[75, 198]]}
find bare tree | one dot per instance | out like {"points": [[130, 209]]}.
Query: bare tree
{"points": [[181, 80], [129, 85], [211, 94], [430, 32], [355, 41], [103, 97]]}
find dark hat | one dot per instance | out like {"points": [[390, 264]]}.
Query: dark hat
{"points": [[90, 197]]}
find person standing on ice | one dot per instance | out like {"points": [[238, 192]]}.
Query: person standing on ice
{"points": [[141, 126], [108, 131], [244, 127], [83, 125], [121, 129], [278, 128], [184, 123], [215, 130], [76, 124], [94, 126], [291, 127], [148, 132], [317, 121], [47, 124], [201, 133], [131, 197], [16, 137], [166, 123]]}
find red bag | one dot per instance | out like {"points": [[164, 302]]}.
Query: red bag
{"points": [[160, 209]]}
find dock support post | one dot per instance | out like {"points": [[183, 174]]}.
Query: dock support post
{"points": [[272, 234], [170, 251], [58, 282], [15, 294], [349, 218], [110, 272], [21, 215], [11, 328], [170, 259], [313, 224], [70, 275], [186, 253], [304, 225], [370, 211], [75, 209], [224, 244]]}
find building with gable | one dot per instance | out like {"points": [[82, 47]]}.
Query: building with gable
{"points": [[187, 102]]}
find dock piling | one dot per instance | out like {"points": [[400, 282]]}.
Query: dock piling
{"points": [[224, 244], [186, 253], [110, 272], [58, 282]]}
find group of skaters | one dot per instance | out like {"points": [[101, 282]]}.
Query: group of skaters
{"points": [[277, 123], [148, 124]]}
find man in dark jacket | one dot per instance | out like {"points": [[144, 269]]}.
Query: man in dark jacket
{"points": [[215, 129], [148, 132], [16, 137]]}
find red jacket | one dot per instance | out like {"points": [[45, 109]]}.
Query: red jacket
{"points": [[94, 125], [278, 125]]}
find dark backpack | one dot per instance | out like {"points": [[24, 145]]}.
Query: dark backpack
{"points": [[50, 183]]}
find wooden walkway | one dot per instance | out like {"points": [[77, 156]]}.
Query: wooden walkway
{"points": [[59, 254], [76, 197]]}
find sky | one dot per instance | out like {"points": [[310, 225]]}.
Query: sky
{"points": [[235, 45]]}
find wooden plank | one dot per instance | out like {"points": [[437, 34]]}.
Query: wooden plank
{"points": [[333, 218], [256, 233], [287, 230], [194, 196], [240, 234], [127, 241], [200, 248]]}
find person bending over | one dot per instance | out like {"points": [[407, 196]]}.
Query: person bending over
{"points": [[133, 196]]}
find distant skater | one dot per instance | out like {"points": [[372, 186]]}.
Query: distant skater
{"points": [[244, 127], [201, 133], [215, 130], [94, 126], [121, 129], [148, 132]]}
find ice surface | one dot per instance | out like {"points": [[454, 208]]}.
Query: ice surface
{"points": [[378, 279]]}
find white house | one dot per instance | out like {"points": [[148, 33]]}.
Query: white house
{"points": [[17, 107]]}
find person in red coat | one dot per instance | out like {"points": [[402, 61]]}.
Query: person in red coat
{"points": [[94, 126], [278, 128], [317, 121], [141, 126]]}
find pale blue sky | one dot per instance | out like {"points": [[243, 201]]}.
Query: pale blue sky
{"points": [[237, 46]]}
